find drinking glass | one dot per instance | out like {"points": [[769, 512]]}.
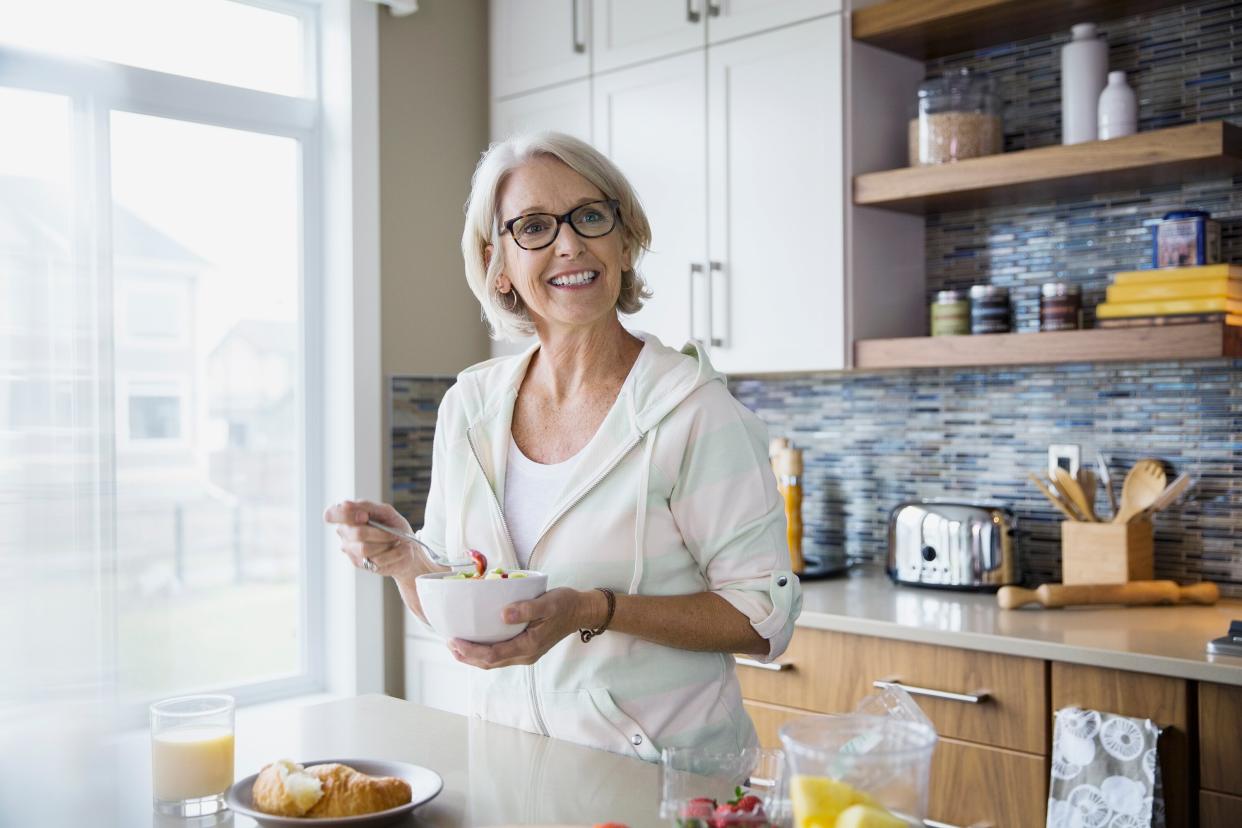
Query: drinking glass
{"points": [[191, 754], [837, 761]]}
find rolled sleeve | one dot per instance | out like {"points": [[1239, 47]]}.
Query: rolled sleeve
{"points": [[733, 521]]}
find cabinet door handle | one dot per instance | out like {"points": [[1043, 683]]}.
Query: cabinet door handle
{"points": [[714, 268], [713, 9], [693, 15], [968, 698], [579, 45], [774, 666], [696, 270]]}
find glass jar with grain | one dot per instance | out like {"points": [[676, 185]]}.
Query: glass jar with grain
{"points": [[957, 116]]}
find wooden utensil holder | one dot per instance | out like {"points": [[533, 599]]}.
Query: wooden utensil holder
{"points": [[1106, 553]]}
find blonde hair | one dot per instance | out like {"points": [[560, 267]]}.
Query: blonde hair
{"points": [[511, 321]]}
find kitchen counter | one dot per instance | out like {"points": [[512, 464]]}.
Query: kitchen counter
{"points": [[1168, 641], [493, 775]]}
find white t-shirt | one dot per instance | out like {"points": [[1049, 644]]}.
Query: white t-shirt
{"points": [[531, 491]]}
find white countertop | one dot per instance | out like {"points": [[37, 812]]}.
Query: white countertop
{"points": [[493, 775], [1169, 641]]}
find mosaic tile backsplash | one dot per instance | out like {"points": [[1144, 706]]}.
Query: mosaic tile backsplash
{"points": [[872, 440], [1185, 65], [412, 405]]}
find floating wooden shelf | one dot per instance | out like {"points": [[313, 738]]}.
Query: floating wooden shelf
{"points": [[927, 29], [1164, 156], [1170, 342]]}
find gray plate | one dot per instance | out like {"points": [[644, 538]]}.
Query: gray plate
{"points": [[424, 785]]}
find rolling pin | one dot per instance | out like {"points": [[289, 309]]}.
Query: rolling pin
{"points": [[1135, 593]]}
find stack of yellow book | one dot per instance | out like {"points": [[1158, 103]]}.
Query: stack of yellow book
{"points": [[1171, 295]]}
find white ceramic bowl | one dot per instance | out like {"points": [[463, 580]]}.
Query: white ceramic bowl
{"points": [[471, 609]]}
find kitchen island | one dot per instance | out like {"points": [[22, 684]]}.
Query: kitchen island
{"points": [[493, 775]]}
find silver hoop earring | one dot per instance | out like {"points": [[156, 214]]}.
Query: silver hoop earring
{"points": [[513, 293]]}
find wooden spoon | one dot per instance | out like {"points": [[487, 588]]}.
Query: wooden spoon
{"points": [[1052, 497], [1067, 484], [1144, 483], [1090, 485]]}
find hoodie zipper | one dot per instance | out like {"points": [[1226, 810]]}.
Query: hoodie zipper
{"points": [[534, 696], [500, 513], [590, 488]]}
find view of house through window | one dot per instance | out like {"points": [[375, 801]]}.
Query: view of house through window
{"points": [[153, 453], [206, 234]]}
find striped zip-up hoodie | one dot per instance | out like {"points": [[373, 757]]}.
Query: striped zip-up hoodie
{"points": [[673, 495]]}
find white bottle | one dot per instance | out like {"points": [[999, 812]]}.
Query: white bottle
{"points": [[1118, 109], [1084, 68]]}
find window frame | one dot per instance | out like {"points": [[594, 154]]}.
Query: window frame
{"points": [[96, 88]]}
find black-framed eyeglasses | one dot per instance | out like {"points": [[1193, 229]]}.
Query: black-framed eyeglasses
{"points": [[535, 231]]}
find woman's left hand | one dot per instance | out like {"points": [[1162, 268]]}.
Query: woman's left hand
{"points": [[552, 616]]}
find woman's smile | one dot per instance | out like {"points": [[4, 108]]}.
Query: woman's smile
{"points": [[574, 279]]}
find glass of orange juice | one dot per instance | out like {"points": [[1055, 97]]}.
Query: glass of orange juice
{"points": [[191, 754]]}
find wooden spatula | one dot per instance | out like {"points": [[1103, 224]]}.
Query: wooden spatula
{"points": [[1144, 483]]}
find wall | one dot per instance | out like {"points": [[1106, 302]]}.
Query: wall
{"points": [[433, 127]]}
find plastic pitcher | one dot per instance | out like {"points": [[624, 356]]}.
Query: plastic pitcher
{"points": [[881, 763]]}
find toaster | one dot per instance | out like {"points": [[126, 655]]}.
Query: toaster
{"points": [[955, 544]]}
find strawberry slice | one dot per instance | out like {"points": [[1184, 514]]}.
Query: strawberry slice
{"points": [[480, 562]]}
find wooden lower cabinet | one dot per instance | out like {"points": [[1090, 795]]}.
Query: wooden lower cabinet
{"points": [[970, 784], [1166, 701], [1220, 739], [832, 672], [1218, 810]]}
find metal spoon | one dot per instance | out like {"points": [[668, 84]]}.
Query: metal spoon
{"points": [[1101, 465], [463, 563]]}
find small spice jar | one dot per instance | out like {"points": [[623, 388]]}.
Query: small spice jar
{"points": [[950, 313], [989, 309], [1060, 307]]}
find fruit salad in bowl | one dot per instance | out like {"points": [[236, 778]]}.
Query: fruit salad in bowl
{"points": [[469, 605]]}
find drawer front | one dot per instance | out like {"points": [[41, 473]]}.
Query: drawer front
{"points": [[1162, 699], [1220, 742], [1218, 810], [970, 784], [831, 672]]}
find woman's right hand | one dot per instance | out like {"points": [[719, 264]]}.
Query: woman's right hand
{"points": [[389, 555]]}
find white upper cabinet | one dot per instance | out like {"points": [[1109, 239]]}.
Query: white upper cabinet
{"points": [[625, 32], [537, 43], [564, 108], [776, 200], [651, 121], [727, 19]]}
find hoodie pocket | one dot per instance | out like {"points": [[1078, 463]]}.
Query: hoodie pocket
{"points": [[632, 737]]}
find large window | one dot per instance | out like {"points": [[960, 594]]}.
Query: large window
{"points": [[155, 264]]}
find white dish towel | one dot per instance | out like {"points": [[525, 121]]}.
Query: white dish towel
{"points": [[1105, 772]]}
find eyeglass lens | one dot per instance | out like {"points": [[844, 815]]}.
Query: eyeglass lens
{"points": [[540, 229]]}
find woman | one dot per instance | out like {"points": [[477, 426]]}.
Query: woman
{"points": [[608, 461]]}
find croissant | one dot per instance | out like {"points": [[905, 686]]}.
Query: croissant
{"points": [[285, 788]]}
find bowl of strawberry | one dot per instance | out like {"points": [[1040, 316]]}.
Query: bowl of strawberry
{"points": [[743, 809]]}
